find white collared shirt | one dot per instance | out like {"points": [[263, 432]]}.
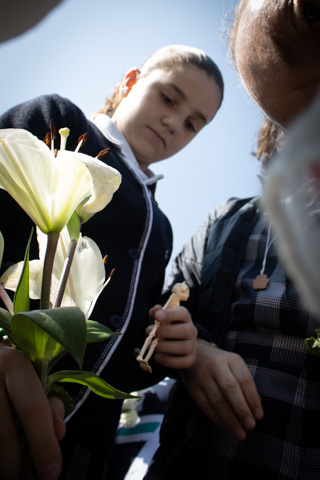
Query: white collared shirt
{"points": [[112, 133]]}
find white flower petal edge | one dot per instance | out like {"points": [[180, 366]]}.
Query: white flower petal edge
{"points": [[106, 181], [87, 276], [48, 188], [10, 278], [86, 279]]}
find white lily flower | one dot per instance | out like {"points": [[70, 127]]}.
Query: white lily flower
{"points": [[87, 275], [106, 181], [10, 278], [86, 280], [48, 188]]}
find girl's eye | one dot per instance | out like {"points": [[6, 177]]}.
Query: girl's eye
{"points": [[166, 99], [310, 12], [190, 126]]}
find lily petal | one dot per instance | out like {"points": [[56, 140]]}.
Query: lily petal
{"points": [[10, 278], [40, 182], [106, 181], [87, 275], [86, 279]]}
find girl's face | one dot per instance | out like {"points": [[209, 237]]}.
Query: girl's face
{"points": [[277, 53], [164, 110]]}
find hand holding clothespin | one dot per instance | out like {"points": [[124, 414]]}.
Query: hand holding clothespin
{"points": [[180, 292]]}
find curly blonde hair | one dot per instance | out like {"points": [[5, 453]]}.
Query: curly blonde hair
{"points": [[268, 142]]}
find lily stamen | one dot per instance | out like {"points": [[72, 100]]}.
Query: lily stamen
{"points": [[47, 139], [103, 153], [82, 140], [52, 134], [64, 134]]}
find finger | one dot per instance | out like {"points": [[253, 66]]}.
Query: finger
{"points": [[58, 413], [42, 441], [213, 404], [178, 331], [174, 314], [176, 347], [153, 310], [249, 390], [223, 415], [33, 409], [223, 390], [10, 445], [175, 362], [234, 393]]}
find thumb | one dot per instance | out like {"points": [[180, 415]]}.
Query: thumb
{"points": [[57, 408]]}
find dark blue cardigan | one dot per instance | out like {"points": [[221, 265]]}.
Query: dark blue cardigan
{"points": [[137, 238]]}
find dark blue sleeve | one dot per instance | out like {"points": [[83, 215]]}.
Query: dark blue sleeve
{"points": [[36, 116]]}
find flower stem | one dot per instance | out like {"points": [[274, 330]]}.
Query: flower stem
{"points": [[6, 300], [53, 238], [65, 273], [42, 369]]}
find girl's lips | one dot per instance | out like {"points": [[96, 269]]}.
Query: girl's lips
{"points": [[157, 136]]}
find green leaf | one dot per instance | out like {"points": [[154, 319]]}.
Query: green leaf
{"points": [[60, 392], [74, 226], [313, 344], [5, 320], [90, 380], [33, 330], [96, 332], [1, 247], [21, 301], [32, 340]]}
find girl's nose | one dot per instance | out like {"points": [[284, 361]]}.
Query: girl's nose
{"points": [[172, 122]]}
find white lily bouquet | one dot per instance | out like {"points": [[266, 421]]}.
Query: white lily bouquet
{"points": [[59, 191]]}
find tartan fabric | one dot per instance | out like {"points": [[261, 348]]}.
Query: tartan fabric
{"points": [[267, 328], [277, 309]]}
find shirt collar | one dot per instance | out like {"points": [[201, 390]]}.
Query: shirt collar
{"points": [[112, 133]]}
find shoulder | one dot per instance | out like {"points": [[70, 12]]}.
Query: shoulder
{"points": [[229, 210], [45, 103], [219, 222], [37, 113], [231, 207], [54, 105], [230, 221]]}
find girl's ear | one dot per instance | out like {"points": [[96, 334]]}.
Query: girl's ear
{"points": [[128, 81]]}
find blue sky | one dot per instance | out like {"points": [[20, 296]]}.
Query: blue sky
{"points": [[82, 49]]}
